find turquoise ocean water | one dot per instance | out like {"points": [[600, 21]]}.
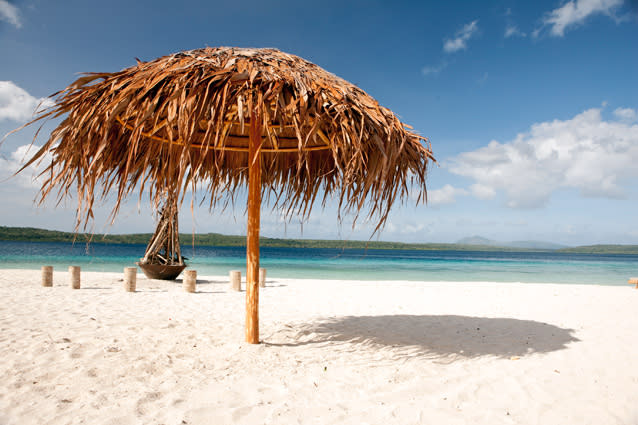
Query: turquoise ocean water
{"points": [[343, 264]]}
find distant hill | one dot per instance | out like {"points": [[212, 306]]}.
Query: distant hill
{"points": [[476, 240], [541, 245]]}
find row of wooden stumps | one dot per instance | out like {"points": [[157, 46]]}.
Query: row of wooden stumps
{"points": [[235, 279], [74, 276], [189, 283]]}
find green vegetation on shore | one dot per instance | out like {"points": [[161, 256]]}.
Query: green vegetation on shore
{"points": [[31, 234], [216, 239], [602, 249]]}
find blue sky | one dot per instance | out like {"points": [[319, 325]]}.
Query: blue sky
{"points": [[531, 107]]}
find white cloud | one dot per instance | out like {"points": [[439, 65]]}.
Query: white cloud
{"points": [[481, 191], [459, 42], [585, 153], [444, 196], [28, 177], [513, 31], [575, 12], [482, 79], [435, 69], [626, 115], [10, 13], [398, 231], [18, 105]]}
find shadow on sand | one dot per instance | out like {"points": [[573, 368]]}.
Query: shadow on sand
{"points": [[433, 336], [202, 281], [269, 283]]}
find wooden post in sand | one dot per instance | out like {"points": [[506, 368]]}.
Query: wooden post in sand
{"points": [[190, 280], [262, 277], [235, 280], [47, 276], [252, 232], [74, 277], [130, 278]]}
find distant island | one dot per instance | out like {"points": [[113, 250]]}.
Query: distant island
{"points": [[545, 246], [475, 243]]}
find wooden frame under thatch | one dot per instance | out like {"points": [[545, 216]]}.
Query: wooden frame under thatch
{"points": [[228, 117]]}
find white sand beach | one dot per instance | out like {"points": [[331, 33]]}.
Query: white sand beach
{"points": [[332, 353]]}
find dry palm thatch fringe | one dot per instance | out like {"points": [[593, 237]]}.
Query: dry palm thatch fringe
{"points": [[182, 120]]}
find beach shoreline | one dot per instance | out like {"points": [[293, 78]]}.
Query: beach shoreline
{"points": [[332, 352], [351, 265]]}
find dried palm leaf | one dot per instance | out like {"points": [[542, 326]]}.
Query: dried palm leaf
{"points": [[182, 121]]}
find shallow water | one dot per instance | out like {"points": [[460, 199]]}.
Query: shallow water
{"points": [[343, 264]]}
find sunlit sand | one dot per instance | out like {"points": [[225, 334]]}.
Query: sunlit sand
{"points": [[331, 353]]}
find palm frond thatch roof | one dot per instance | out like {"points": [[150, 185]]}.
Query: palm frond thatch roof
{"points": [[183, 120]]}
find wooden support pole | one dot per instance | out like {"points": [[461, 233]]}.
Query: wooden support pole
{"points": [[47, 276], [74, 277], [252, 238], [235, 280], [262, 277], [130, 278], [190, 280]]}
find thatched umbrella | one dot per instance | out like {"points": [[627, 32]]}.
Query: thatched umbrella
{"points": [[224, 118]]}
